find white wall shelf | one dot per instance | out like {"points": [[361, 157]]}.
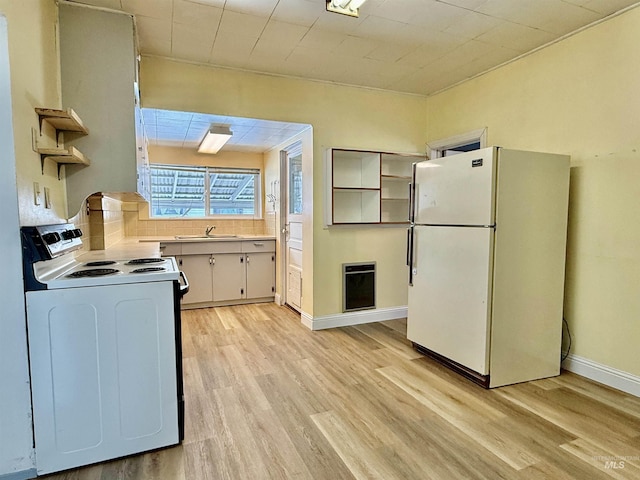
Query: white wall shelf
{"points": [[62, 121], [366, 187]]}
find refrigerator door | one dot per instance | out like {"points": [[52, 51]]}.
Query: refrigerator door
{"points": [[449, 302], [456, 190]]}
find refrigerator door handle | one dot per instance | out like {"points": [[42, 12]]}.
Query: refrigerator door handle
{"points": [[412, 195], [409, 213], [410, 254]]}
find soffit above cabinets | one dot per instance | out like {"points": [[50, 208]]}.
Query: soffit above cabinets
{"points": [[413, 46]]}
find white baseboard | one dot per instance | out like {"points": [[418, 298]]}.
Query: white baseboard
{"points": [[277, 299], [352, 318], [603, 374]]}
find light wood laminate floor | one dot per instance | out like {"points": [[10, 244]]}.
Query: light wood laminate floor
{"points": [[268, 399]]}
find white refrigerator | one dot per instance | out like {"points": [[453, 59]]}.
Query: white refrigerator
{"points": [[486, 255]]}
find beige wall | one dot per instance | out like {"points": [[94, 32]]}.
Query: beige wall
{"points": [[579, 97], [341, 116], [183, 156], [35, 82]]}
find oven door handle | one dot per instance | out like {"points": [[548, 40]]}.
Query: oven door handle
{"points": [[185, 287]]}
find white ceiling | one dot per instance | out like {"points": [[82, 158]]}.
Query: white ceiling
{"points": [[186, 130], [413, 46]]}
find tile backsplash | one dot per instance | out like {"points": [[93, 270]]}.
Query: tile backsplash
{"points": [[137, 224], [106, 220]]}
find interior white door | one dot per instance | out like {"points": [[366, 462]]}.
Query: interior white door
{"points": [[292, 226], [449, 301], [456, 190]]}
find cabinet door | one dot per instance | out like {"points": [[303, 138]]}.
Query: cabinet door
{"points": [[228, 276], [142, 155], [198, 270], [260, 275]]}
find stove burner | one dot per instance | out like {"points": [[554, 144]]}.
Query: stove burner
{"points": [[94, 272], [148, 270], [143, 261], [99, 263]]}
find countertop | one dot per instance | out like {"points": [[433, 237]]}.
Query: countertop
{"points": [[142, 247], [127, 248], [222, 238]]}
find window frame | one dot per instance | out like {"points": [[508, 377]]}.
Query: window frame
{"points": [[437, 147], [206, 190]]}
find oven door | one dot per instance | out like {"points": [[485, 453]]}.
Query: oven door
{"points": [[105, 369]]}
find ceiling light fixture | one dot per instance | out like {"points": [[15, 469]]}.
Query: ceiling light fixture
{"points": [[215, 139], [345, 7]]}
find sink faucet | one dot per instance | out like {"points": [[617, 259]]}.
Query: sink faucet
{"points": [[209, 229]]}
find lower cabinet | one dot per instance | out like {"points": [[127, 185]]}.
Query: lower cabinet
{"points": [[197, 269], [228, 278], [260, 275]]}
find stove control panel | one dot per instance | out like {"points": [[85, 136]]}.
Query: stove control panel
{"points": [[45, 242]]}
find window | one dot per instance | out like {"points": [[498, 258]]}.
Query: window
{"points": [[467, 147], [460, 143], [197, 192]]}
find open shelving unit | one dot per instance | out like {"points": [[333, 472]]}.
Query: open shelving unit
{"points": [[395, 174], [62, 121], [367, 187]]}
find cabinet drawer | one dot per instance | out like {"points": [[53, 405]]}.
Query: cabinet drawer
{"points": [[170, 249], [250, 246], [213, 246]]}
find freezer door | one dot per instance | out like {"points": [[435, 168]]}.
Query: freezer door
{"points": [[449, 302], [456, 190]]}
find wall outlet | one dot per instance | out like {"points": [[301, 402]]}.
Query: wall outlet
{"points": [[36, 193], [47, 198]]}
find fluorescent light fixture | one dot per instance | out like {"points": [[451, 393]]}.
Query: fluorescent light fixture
{"points": [[215, 139], [345, 7]]}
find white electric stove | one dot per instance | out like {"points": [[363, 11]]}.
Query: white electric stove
{"points": [[47, 250], [105, 351]]}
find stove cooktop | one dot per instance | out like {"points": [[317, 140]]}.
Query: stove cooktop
{"points": [[69, 273], [93, 272]]}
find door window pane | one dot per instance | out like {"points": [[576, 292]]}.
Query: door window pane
{"points": [[295, 184]]}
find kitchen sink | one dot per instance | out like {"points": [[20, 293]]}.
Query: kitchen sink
{"points": [[204, 237]]}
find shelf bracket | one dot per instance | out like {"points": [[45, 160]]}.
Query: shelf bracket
{"points": [[43, 157], [43, 118]]}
